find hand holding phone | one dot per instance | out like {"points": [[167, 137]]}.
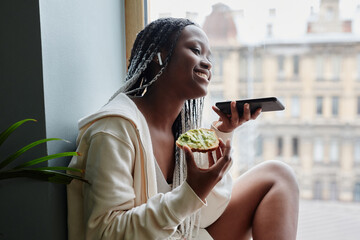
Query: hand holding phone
{"points": [[266, 104]]}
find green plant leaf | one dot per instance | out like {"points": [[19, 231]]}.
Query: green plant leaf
{"points": [[5, 134], [44, 175], [60, 168], [46, 158], [24, 149]]}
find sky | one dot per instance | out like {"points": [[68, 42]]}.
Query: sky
{"points": [[291, 14]]}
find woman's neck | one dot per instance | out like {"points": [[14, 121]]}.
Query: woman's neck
{"points": [[160, 110]]}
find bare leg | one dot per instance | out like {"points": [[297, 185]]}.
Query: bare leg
{"points": [[264, 204]]}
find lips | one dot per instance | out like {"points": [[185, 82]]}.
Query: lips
{"points": [[202, 75]]}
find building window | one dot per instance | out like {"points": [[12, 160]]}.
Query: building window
{"points": [[334, 151], [358, 106], [357, 151], [296, 65], [295, 146], [358, 67], [336, 62], [218, 66], [281, 72], [280, 146], [257, 69], [318, 189], [319, 68], [269, 30], [295, 106], [357, 192], [335, 106], [319, 105], [318, 150]]}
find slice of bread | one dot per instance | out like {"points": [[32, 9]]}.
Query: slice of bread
{"points": [[199, 140]]}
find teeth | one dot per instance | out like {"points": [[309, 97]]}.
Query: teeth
{"points": [[201, 74]]}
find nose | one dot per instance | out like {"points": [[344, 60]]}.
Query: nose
{"points": [[205, 63]]}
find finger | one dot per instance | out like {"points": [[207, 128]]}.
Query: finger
{"points": [[234, 113], [189, 156], [219, 165], [222, 115], [247, 113], [219, 149], [256, 114]]}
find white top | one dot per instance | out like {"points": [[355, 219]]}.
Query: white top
{"points": [[162, 185]]}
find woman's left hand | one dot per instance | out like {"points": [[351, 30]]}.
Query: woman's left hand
{"points": [[229, 123]]}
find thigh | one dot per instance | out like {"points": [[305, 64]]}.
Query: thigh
{"points": [[248, 191]]}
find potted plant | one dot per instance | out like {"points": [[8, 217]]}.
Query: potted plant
{"points": [[29, 169]]}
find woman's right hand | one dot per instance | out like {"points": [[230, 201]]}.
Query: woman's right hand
{"points": [[202, 181]]}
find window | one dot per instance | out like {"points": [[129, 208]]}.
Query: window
{"points": [[295, 146], [335, 106], [280, 62], [336, 65], [280, 146], [318, 189], [296, 65], [295, 106], [358, 106], [269, 30], [318, 150], [218, 70], [357, 151], [333, 191], [319, 68], [258, 69], [319, 105], [334, 151], [357, 192], [358, 67]]}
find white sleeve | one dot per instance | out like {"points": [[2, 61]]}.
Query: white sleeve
{"points": [[109, 202]]}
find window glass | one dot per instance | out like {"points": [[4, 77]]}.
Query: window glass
{"points": [[357, 151], [280, 146], [357, 192], [319, 105], [259, 48], [295, 147], [335, 106], [318, 150], [334, 151], [295, 106]]}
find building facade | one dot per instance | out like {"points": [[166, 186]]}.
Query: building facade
{"points": [[317, 77]]}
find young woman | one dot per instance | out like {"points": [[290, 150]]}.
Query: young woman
{"points": [[142, 186]]}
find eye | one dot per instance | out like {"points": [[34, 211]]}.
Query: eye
{"points": [[196, 51]]}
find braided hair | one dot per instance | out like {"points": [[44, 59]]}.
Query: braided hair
{"points": [[163, 34]]}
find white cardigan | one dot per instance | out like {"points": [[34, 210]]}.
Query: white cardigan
{"points": [[121, 201]]}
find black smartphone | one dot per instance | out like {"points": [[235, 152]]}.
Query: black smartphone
{"points": [[266, 104]]}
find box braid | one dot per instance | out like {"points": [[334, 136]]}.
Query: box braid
{"points": [[163, 34]]}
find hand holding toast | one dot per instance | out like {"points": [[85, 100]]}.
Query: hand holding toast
{"points": [[202, 181]]}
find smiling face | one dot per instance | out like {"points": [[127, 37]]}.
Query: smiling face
{"points": [[188, 72]]}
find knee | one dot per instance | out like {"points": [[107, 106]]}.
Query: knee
{"points": [[282, 175]]}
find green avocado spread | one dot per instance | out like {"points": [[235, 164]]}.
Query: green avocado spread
{"points": [[198, 138]]}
